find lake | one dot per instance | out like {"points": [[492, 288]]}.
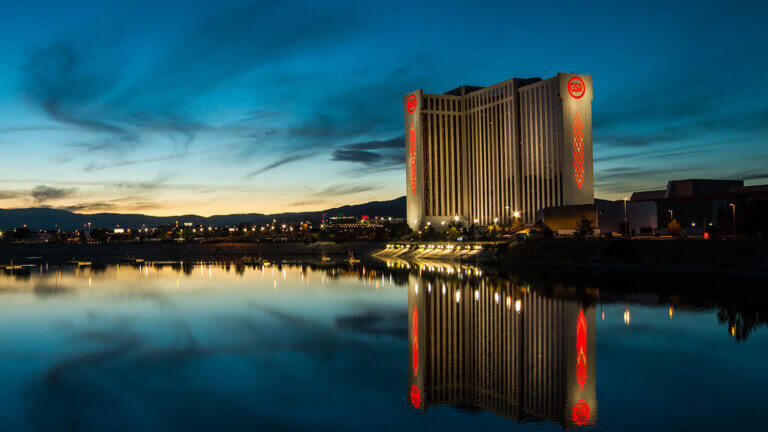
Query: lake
{"points": [[376, 346]]}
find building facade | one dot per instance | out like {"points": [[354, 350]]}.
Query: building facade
{"points": [[491, 154]]}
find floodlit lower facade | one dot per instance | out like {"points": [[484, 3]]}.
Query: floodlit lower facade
{"points": [[492, 154]]}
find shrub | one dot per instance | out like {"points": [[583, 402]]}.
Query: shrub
{"points": [[584, 228], [674, 228]]}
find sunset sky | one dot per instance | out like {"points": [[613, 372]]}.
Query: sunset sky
{"points": [[214, 107]]}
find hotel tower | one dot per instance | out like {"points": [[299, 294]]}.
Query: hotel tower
{"points": [[485, 154]]}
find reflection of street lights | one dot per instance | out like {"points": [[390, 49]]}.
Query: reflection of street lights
{"points": [[733, 207], [671, 215]]}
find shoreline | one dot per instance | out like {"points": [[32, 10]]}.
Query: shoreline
{"points": [[22, 253], [625, 258]]}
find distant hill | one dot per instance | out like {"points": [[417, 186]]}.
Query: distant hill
{"points": [[48, 218]]}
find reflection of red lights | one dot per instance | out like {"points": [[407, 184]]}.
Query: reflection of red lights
{"points": [[575, 87], [416, 396], [411, 104], [580, 413], [578, 150], [581, 350], [412, 158], [415, 342]]}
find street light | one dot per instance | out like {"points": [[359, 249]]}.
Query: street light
{"points": [[626, 225], [733, 207]]}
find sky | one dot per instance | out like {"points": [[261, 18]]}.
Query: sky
{"points": [[224, 107]]}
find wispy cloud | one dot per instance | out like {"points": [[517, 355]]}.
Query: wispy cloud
{"points": [[94, 166], [303, 203], [343, 190], [387, 153], [276, 164], [42, 194]]}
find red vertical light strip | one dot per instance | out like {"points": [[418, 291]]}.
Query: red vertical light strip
{"points": [[581, 411], [415, 342], [578, 150], [412, 159], [415, 394], [581, 350]]}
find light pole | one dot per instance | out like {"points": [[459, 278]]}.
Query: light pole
{"points": [[626, 224], [733, 207]]}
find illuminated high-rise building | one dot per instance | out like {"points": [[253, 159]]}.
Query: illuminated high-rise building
{"points": [[491, 154]]}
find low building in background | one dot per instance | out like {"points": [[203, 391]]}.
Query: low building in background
{"points": [[619, 217], [700, 206], [723, 206], [615, 217]]}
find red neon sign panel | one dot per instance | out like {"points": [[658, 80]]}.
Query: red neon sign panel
{"points": [[411, 103], [576, 87], [415, 396], [580, 414], [578, 150]]}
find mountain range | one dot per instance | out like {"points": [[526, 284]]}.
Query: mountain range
{"points": [[49, 218]]}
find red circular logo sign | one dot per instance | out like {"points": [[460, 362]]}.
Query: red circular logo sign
{"points": [[576, 87], [411, 104]]}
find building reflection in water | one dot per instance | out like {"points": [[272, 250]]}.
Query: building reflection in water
{"points": [[484, 346]]}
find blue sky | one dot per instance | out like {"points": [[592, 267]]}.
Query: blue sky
{"points": [[230, 106]]}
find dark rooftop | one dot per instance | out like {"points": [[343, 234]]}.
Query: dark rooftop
{"points": [[463, 90]]}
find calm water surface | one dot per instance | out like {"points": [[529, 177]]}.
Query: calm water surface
{"points": [[222, 347]]}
